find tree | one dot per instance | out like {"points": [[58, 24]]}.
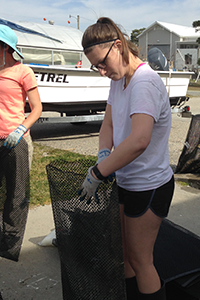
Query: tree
{"points": [[196, 24], [134, 35]]}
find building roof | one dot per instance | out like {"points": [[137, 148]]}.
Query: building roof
{"points": [[46, 35], [182, 31]]}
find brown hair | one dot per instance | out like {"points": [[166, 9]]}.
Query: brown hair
{"points": [[106, 30], [10, 50]]}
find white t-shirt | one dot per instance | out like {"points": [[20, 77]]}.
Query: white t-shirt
{"points": [[146, 94]]}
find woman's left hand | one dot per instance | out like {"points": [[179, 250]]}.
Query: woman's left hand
{"points": [[89, 187], [14, 137]]}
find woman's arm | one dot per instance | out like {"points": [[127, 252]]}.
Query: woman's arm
{"points": [[36, 107], [106, 131], [133, 146]]}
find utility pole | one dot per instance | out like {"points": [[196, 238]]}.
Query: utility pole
{"points": [[78, 20]]}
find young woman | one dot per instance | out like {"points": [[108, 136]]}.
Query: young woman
{"points": [[137, 125], [17, 82]]}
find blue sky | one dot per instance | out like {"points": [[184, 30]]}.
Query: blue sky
{"points": [[130, 14]]}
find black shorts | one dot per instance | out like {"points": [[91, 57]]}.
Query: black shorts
{"points": [[137, 203]]}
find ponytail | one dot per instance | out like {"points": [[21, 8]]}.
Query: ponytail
{"points": [[105, 30]]}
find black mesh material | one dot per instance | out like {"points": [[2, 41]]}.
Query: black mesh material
{"points": [[177, 254], [14, 198], [88, 235], [189, 160]]}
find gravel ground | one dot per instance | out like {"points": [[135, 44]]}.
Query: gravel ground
{"points": [[83, 138]]}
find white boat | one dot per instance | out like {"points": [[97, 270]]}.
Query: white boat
{"points": [[71, 90], [176, 82], [177, 85], [54, 53]]}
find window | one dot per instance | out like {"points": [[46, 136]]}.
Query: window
{"points": [[66, 58], [188, 59], [36, 56], [188, 46], [49, 57]]}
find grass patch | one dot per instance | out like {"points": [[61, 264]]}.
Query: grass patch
{"points": [[39, 186], [183, 183], [43, 155], [193, 84]]}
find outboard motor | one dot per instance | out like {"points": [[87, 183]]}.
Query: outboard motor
{"points": [[157, 60]]}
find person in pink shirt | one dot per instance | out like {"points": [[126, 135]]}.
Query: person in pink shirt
{"points": [[17, 83]]}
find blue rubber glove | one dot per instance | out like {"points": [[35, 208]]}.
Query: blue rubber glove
{"points": [[14, 137], [102, 154], [89, 188]]}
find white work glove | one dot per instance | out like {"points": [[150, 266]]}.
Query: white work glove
{"points": [[103, 154], [89, 187], [14, 137]]}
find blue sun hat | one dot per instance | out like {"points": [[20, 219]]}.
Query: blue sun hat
{"points": [[8, 36]]}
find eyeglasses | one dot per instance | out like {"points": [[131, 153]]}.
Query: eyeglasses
{"points": [[102, 64]]}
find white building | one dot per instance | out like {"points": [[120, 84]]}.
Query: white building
{"points": [[178, 44]]}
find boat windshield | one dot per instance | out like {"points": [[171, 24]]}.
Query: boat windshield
{"points": [[49, 57]]}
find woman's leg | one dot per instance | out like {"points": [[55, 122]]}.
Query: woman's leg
{"points": [[141, 217], [128, 270], [130, 278], [139, 238]]}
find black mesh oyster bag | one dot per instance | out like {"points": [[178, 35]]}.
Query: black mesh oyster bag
{"points": [[189, 160], [14, 198], [88, 235]]}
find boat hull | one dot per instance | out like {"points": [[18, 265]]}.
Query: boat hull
{"points": [[82, 91]]}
